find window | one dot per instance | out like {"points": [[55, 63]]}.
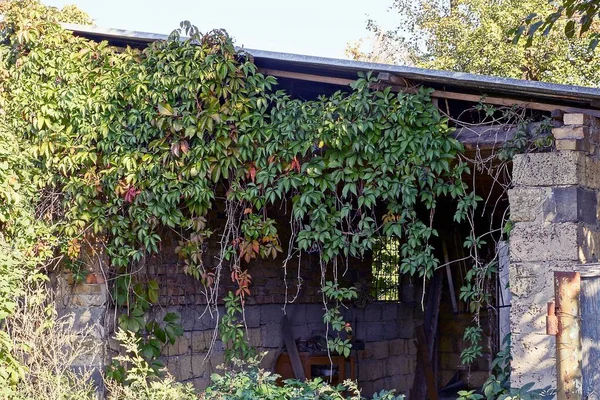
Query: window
{"points": [[386, 269]]}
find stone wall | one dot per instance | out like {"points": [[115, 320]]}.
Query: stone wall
{"points": [[88, 303], [554, 207], [387, 330]]}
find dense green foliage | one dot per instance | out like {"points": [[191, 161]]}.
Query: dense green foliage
{"points": [[120, 147], [580, 15], [474, 36]]}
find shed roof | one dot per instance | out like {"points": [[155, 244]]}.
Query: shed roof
{"points": [[329, 74]]}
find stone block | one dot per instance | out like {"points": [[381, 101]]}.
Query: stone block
{"points": [[395, 365], [390, 329], [215, 361], [406, 329], [86, 288], [570, 132], [557, 242], [550, 242], [271, 314], [199, 365], [550, 169], [252, 314], [589, 243], [296, 314], [254, 337], [181, 346], [366, 388], [447, 344], [526, 203], [200, 384], [171, 364], [92, 353], [533, 359], [271, 336], [389, 311], [582, 145], [397, 347], [577, 119], [86, 320], [405, 312], [375, 332], [379, 350], [379, 384], [478, 378], [314, 313], [198, 343], [450, 361], [190, 318], [185, 368], [373, 312], [570, 204], [269, 359], [393, 383], [371, 370]]}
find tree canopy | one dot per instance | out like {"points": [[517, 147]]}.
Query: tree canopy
{"points": [[580, 15], [475, 36]]}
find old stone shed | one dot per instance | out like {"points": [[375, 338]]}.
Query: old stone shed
{"points": [[551, 197]]}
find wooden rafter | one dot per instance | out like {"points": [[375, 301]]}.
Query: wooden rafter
{"points": [[400, 84]]}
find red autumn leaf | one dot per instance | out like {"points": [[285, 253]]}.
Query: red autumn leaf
{"points": [[130, 194], [296, 164], [184, 146], [252, 172]]}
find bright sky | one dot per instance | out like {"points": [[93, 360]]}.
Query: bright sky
{"points": [[314, 27]]}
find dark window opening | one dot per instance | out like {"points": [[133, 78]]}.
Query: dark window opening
{"points": [[386, 269]]}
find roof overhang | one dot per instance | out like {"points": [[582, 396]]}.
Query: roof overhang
{"points": [[335, 73]]}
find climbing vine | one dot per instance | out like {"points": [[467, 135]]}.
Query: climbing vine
{"points": [[120, 147]]}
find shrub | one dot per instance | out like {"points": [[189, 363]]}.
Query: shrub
{"points": [[141, 382], [247, 381], [45, 346]]}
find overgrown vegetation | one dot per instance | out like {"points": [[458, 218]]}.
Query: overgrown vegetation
{"points": [[44, 350], [119, 147]]}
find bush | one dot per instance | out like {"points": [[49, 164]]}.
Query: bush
{"points": [[45, 346], [141, 382], [247, 381]]}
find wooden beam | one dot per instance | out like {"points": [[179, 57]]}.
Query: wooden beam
{"points": [[306, 77], [424, 384], [489, 137], [398, 84], [502, 101], [292, 350]]}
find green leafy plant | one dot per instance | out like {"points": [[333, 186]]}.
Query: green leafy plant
{"points": [[140, 381], [334, 319], [497, 386], [468, 395], [120, 147], [232, 330], [246, 380]]}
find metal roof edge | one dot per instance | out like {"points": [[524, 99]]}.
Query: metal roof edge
{"points": [[468, 80]]}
